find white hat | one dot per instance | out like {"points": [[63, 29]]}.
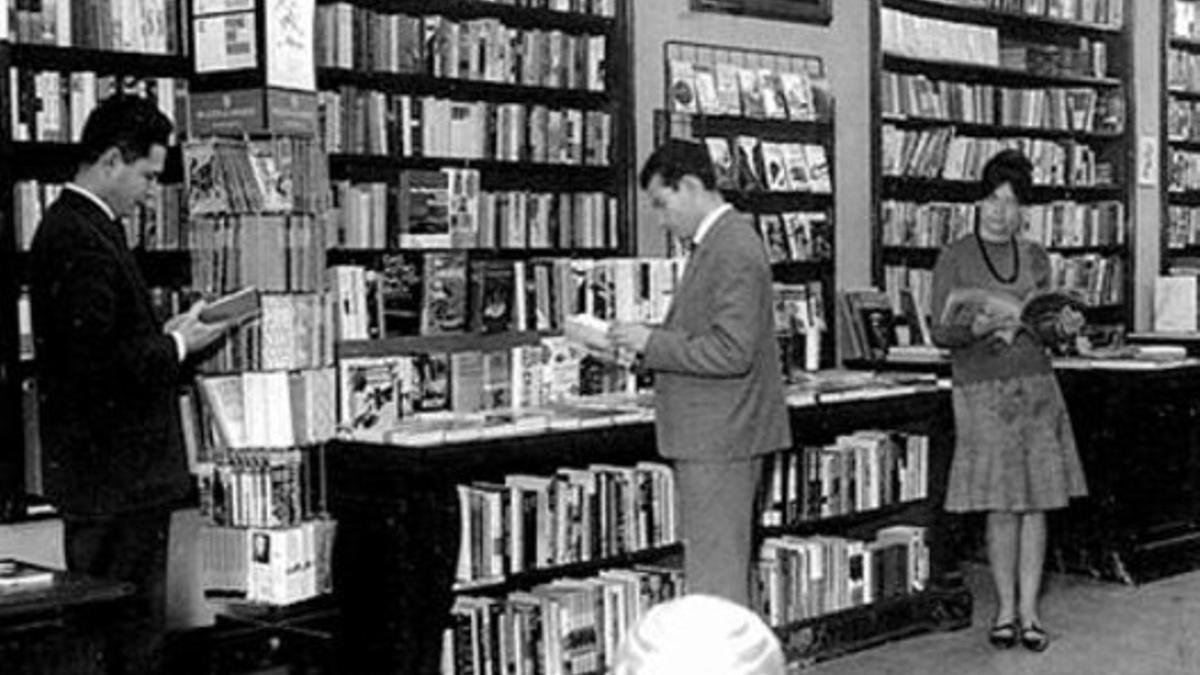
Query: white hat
{"points": [[698, 634]]}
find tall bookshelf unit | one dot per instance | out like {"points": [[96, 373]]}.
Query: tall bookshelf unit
{"points": [[52, 162], [954, 82], [1181, 134], [801, 249]]}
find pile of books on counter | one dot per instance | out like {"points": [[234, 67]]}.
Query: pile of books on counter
{"points": [[838, 386], [441, 428]]}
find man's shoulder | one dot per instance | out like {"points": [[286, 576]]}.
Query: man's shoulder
{"points": [[64, 222]]}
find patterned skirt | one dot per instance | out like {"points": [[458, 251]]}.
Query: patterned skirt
{"points": [[1015, 450]]}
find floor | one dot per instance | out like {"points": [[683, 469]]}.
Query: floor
{"points": [[1153, 629]]}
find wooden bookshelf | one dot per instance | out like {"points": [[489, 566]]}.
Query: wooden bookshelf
{"points": [[54, 162], [985, 114], [1180, 140]]}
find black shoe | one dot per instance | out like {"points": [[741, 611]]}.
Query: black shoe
{"points": [[1003, 636], [1034, 638]]}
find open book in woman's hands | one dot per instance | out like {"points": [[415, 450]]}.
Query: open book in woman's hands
{"points": [[1004, 314]]}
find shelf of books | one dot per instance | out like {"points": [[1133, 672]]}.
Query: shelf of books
{"points": [[59, 65], [1181, 144], [767, 120], [957, 82]]}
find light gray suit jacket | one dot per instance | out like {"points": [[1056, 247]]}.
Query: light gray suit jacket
{"points": [[718, 388]]}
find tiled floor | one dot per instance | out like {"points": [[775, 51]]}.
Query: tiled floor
{"points": [[1097, 629]]}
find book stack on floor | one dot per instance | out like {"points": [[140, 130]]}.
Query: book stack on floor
{"points": [[267, 399]]}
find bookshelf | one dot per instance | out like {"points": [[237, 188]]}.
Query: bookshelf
{"points": [[985, 76], [766, 125], [153, 58], [1181, 134], [399, 524]]}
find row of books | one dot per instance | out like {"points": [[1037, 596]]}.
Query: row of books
{"points": [[1102, 12], [1183, 170], [920, 37], [858, 472], [1183, 70], [799, 320], [942, 153], [371, 122], [273, 252], [750, 164], [48, 105], [436, 293], [871, 321], [1063, 108], [1099, 280], [270, 409], [1184, 18], [282, 174], [1183, 120], [727, 88], [373, 216], [260, 488], [1060, 223], [147, 26], [435, 397], [292, 331], [483, 49], [804, 577], [1183, 226], [530, 522], [794, 236], [157, 224], [565, 626], [910, 287], [276, 566]]}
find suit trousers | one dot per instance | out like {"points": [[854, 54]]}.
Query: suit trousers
{"points": [[717, 500], [130, 548]]}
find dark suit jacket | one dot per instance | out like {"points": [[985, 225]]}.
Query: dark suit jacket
{"points": [[107, 372], [718, 388]]}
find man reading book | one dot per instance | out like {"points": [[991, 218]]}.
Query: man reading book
{"points": [[718, 393], [109, 368]]}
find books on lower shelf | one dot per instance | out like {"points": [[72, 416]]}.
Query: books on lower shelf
{"points": [[566, 626], [802, 578], [858, 472], [530, 522], [277, 566]]}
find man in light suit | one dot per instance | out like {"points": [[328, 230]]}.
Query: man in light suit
{"points": [[718, 392]]}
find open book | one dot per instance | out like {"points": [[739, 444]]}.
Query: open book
{"points": [[1034, 312]]}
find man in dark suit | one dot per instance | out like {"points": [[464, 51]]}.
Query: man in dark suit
{"points": [[718, 392], [108, 370]]}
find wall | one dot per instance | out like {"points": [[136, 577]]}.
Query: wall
{"points": [[845, 47], [1146, 213]]}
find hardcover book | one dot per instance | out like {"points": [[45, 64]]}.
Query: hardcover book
{"points": [[444, 296]]}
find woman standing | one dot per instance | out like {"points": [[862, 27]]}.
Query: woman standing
{"points": [[1015, 454]]}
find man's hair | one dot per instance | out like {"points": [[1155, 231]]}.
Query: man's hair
{"points": [[1012, 167], [675, 159], [131, 124]]}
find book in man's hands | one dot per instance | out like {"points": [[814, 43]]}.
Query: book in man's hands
{"points": [[237, 307], [20, 575], [1035, 312]]}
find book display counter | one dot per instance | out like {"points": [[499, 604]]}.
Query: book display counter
{"points": [[402, 515], [1134, 423]]}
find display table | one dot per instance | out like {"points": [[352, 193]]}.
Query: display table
{"points": [[59, 629], [1136, 427], [398, 537]]}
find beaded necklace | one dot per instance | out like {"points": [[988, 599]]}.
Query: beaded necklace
{"points": [[1016, 256]]}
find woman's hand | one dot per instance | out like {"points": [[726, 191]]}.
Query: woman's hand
{"points": [[1070, 322]]}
